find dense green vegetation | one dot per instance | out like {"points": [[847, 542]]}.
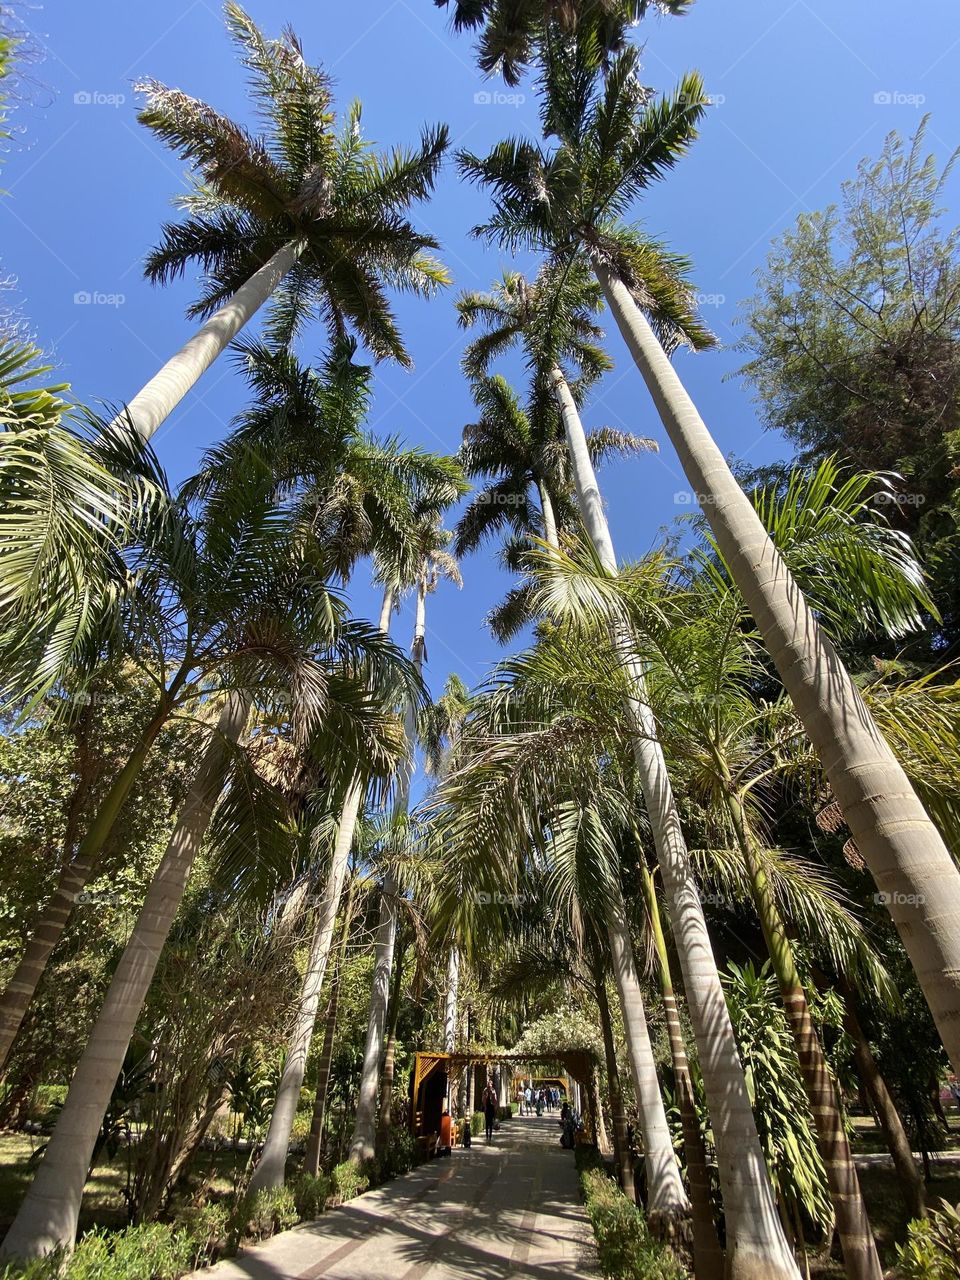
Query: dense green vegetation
{"points": [[228, 918]]}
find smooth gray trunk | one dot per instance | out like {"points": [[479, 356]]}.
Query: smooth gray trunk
{"points": [[756, 1245], [450, 1005], [271, 1168], [47, 1219], [363, 1142], [549, 519], [154, 403], [912, 867], [667, 1203]]}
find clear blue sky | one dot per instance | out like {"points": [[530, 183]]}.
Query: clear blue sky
{"points": [[796, 88]]}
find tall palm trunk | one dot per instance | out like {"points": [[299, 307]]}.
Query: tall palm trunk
{"points": [[667, 1203], [853, 1225], [756, 1245], [363, 1142], [905, 852], [618, 1117], [707, 1252], [888, 1117], [390, 1055], [270, 1171], [154, 403], [74, 875], [311, 1159], [47, 1219], [450, 1004], [549, 518]]}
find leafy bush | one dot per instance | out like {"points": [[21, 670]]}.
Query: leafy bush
{"points": [[151, 1251], [625, 1247], [48, 1268], [348, 1180], [932, 1248], [206, 1225], [476, 1124], [506, 1113], [401, 1154], [310, 1195], [261, 1214]]}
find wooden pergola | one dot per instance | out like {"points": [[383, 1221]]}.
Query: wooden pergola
{"points": [[433, 1071]]}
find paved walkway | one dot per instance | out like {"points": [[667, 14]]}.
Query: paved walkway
{"points": [[511, 1209]]}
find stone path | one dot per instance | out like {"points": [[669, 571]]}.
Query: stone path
{"points": [[511, 1209]]}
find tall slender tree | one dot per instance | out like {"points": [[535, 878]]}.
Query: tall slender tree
{"points": [[611, 144], [305, 214], [551, 323]]}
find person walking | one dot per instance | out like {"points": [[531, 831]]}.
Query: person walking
{"points": [[489, 1103]]}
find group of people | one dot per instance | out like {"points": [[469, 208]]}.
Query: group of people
{"points": [[546, 1098]]}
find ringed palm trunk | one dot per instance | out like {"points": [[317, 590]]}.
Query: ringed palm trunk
{"points": [[853, 1225], [154, 403], [270, 1170], [756, 1246], [363, 1142], [311, 1159], [912, 867], [20, 990], [47, 1218], [707, 1253], [621, 1139], [667, 1203]]}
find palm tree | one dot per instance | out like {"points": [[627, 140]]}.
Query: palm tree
{"points": [[311, 640], [553, 321], [73, 493], [703, 673], [706, 1245], [517, 450], [528, 791], [611, 144], [303, 214], [192, 611], [432, 562], [356, 495], [302, 437], [289, 611], [513, 30]]}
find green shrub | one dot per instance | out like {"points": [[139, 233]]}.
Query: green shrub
{"points": [[261, 1214], [625, 1247], [151, 1251], [476, 1124], [206, 1225], [48, 1268], [310, 1195], [401, 1154], [932, 1248], [506, 1113], [347, 1181]]}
